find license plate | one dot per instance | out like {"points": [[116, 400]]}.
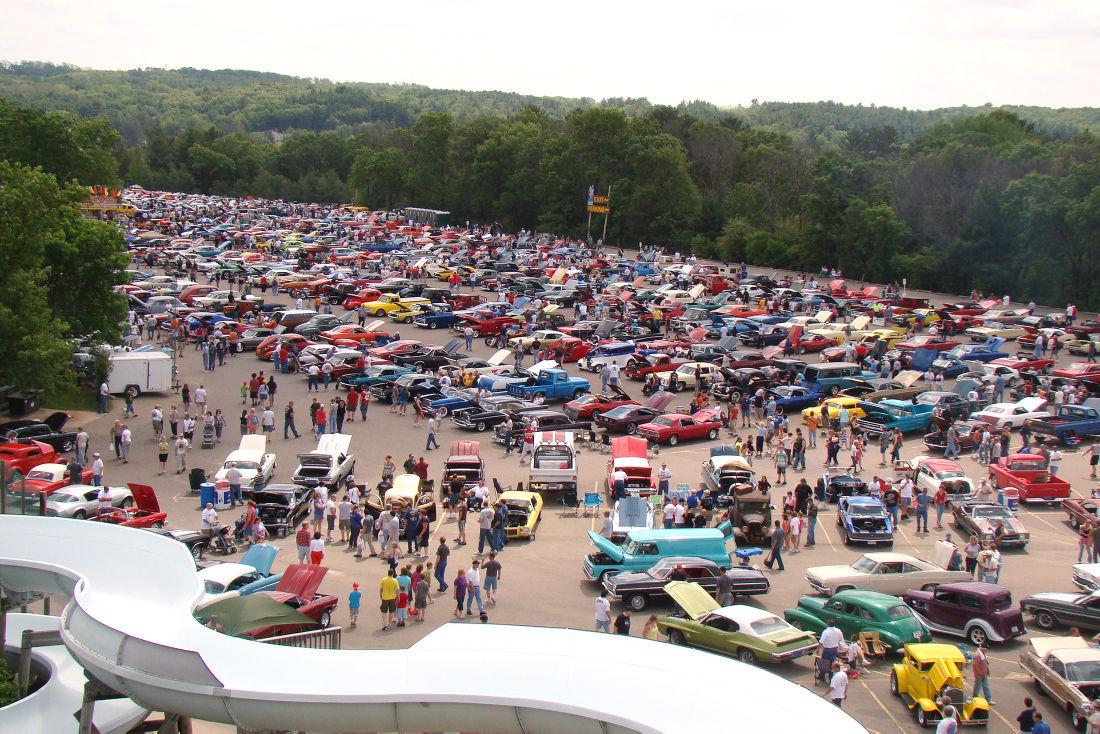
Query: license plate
{"points": [[872, 542]]}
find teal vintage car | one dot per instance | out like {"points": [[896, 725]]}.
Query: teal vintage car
{"points": [[856, 611]]}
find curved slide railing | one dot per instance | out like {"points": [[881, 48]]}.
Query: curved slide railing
{"points": [[129, 624]]}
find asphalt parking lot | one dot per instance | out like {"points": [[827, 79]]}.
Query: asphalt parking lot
{"points": [[542, 582]]}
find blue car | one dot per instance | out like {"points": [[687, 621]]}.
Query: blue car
{"points": [[374, 375], [794, 397], [864, 519], [454, 398], [437, 319]]}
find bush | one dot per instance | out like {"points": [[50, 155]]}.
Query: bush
{"points": [[10, 691]]}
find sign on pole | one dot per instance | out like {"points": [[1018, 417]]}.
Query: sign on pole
{"points": [[591, 194]]}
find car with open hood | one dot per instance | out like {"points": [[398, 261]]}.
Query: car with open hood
{"points": [[251, 459], [630, 455], [145, 512], [980, 612], [280, 506], [889, 573], [627, 417], [524, 513], [864, 520], [981, 518], [298, 589], [464, 465], [329, 465], [590, 405], [50, 430], [80, 501], [247, 576], [929, 678], [408, 491], [855, 611], [750, 634], [638, 589], [1013, 415]]}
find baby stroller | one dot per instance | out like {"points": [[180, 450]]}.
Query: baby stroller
{"points": [[222, 541], [208, 435]]}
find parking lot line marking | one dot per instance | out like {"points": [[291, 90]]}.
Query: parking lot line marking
{"points": [[1010, 724], [828, 539], [882, 705]]}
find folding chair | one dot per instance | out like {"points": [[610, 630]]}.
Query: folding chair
{"points": [[592, 501], [569, 502], [872, 646]]}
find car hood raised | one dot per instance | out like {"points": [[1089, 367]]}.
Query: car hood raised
{"points": [[692, 598], [301, 580], [260, 557], [605, 546]]}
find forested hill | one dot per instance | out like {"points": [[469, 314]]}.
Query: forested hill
{"points": [[249, 101]]}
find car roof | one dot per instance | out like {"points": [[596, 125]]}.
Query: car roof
{"points": [[891, 557], [743, 614], [870, 598], [929, 651], [975, 587]]}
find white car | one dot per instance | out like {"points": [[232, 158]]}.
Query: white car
{"points": [[251, 460], [253, 573], [684, 375], [328, 465], [82, 500], [501, 360], [889, 573], [1013, 415]]}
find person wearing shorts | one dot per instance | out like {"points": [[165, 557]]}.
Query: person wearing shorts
{"points": [[387, 593]]}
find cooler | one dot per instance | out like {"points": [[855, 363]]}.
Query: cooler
{"points": [[206, 494], [1012, 499], [222, 500]]}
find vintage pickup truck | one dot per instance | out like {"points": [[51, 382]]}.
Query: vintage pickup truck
{"points": [[1070, 423], [1068, 670], [1030, 474], [888, 415], [552, 385]]}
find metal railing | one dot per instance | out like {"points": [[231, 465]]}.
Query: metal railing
{"points": [[324, 639]]}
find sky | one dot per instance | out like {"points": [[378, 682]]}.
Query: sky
{"points": [[920, 54]]}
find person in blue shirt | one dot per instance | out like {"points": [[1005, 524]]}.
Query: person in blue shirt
{"points": [[1040, 727], [353, 603]]}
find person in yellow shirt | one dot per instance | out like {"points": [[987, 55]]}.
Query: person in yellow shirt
{"points": [[387, 592]]}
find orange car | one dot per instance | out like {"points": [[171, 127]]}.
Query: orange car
{"points": [[742, 312], [353, 333]]}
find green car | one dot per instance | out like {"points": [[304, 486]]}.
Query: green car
{"points": [[750, 634], [856, 611]]}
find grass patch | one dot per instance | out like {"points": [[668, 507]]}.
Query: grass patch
{"points": [[71, 397]]}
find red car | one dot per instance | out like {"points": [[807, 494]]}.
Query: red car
{"points": [[145, 513], [366, 296], [298, 589], [267, 346], [402, 346], [1088, 371], [639, 367], [808, 342], [485, 327], [1021, 363], [924, 341], [1030, 475], [354, 334], [48, 478], [671, 428], [20, 458], [574, 348], [590, 405]]}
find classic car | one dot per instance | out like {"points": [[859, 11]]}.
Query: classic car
{"points": [[354, 334], [81, 500], [1030, 474], [298, 589], [489, 326], [535, 340], [383, 373], [980, 518], [293, 342], [524, 513], [196, 542], [144, 513], [639, 589], [793, 397], [328, 465], [493, 364], [590, 405], [1080, 511], [1012, 415], [994, 329], [890, 573], [1023, 362], [1088, 371], [835, 406], [417, 310], [415, 383], [250, 338], [671, 428], [280, 506], [835, 486], [684, 376], [464, 466], [638, 367], [925, 341], [980, 612], [864, 520], [1069, 609], [630, 513], [427, 357], [407, 492], [1086, 576], [20, 458], [931, 474], [629, 454], [750, 634], [1067, 670], [45, 479], [392, 349], [966, 432], [1081, 347], [855, 611], [251, 574], [626, 418], [251, 459], [50, 431], [929, 678], [952, 404]]}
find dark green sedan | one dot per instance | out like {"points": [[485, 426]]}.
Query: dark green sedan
{"points": [[856, 611]]}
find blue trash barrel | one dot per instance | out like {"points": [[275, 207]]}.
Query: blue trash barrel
{"points": [[206, 493]]}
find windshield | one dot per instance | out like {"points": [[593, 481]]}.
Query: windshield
{"points": [[1080, 672], [863, 564], [899, 612], [213, 587], [992, 512], [769, 625], [865, 510], [247, 465], [950, 474]]}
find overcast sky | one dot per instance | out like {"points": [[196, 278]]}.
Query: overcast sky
{"points": [[916, 53]]}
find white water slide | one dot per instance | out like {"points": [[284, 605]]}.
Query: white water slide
{"points": [[130, 625]]}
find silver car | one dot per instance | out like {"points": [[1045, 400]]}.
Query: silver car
{"points": [[82, 500]]}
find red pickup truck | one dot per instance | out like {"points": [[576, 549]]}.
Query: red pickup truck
{"points": [[1030, 474]]}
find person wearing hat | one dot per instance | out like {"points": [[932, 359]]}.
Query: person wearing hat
{"points": [[353, 603], [97, 470]]}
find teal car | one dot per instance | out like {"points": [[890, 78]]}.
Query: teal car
{"points": [[856, 611], [374, 376]]}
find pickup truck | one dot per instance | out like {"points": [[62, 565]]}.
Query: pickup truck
{"points": [[552, 385], [1030, 474], [1070, 423], [553, 462], [888, 415]]}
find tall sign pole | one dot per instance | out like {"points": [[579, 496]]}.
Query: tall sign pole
{"points": [[591, 197], [606, 216], [598, 205]]}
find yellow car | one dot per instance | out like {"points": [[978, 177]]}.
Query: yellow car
{"points": [[892, 337], [389, 303], [524, 513], [835, 404], [411, 308], [929, 678]]}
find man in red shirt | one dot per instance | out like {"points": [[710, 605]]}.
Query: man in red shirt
{"points": [[353, 404], [420, 469], [302, 538], [321, 417]]}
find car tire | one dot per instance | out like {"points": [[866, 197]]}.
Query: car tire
{"points": [[196, 551], [127, 503], [673, 440], [895, 688], [441, 412], [681, 386], [325, 619], [480, 426], [712, 434], [844, 536], [631, 429], [1075, 718], [67, 445], [158, 525], [433, 324], [79, 515], [407, 320], [1044, 619], [834, 390], [746, 656], [925, 719], [637, 602], [380, 313], [577, 393], [977, 636], [676, 637], [595, 414]]}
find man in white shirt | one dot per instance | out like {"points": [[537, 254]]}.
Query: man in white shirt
{"points": [[670, 514], [603, 613], [473, 587], [838, 685], [831, 639], [267, 420], [209, 520], [1055, 461], [200, 399], [97, 470], [679, 518], [233, 476], [613, 374], [104, 498]]}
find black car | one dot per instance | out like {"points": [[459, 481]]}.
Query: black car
{"points": [[197, 543], [955, 406], [428, 357], [841, 485], [415, 384], [321, 322], [637, 589], [492, 411], [538, 420], [49, 431], [335, 293], [280, 506], [625, 418], [1066, 609]]}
